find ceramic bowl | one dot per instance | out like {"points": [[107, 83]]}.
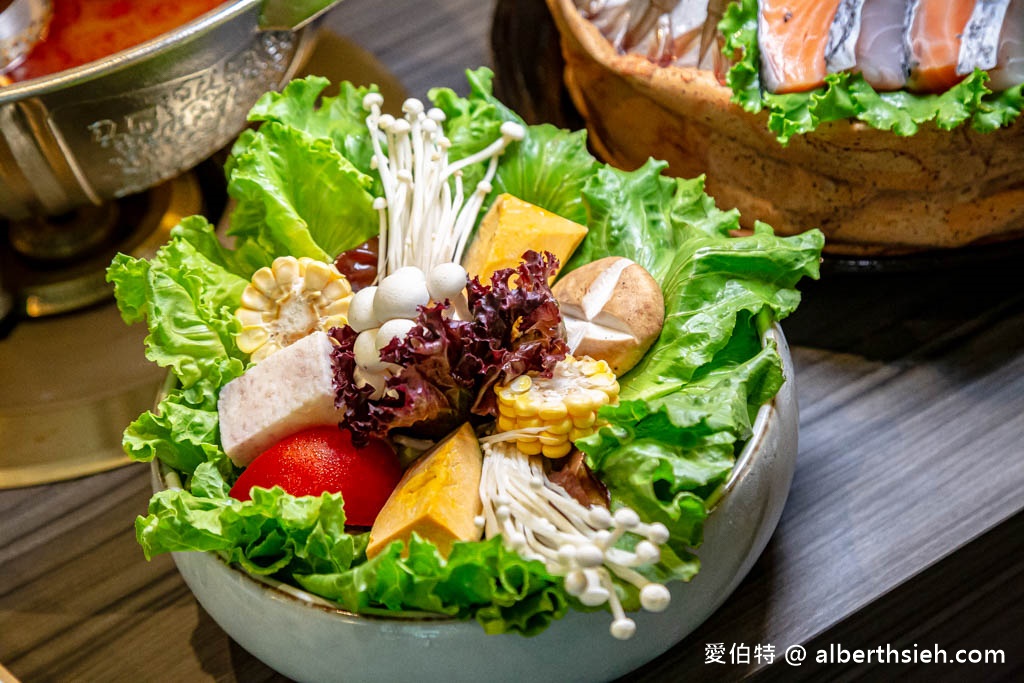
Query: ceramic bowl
{"points": [[307, 639]]}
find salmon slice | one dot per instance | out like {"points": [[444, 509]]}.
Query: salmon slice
{"points": [[792, 35], [936, 27]]}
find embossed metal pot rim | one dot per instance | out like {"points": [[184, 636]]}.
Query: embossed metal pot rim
{"points": [[51, 160], [126, 58]]}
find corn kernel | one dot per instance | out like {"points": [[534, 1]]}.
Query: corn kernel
{"points": [[249, 317], [579, 404], [521, 384], [338, 288], [265, 350], [524, 406], [335, 321], [254, 299], [286, 269], [586, 421], [263, 280], [551, 411], [551, 439], [251, 338], [339, 307], [529, 447], [578, 433], [317, 275], [562, 427], [557, 451]]}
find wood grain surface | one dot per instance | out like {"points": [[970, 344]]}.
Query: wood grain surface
{"points": [[904, 523]]}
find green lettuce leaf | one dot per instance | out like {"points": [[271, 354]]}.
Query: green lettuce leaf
{"points": [[549, 167], [296, 194], [188, 302], [848, 95], [472, 122], [304, 539], [187, 296], [340, 119], [688, 405], [665, 456], [274, 532], [481, 580]]}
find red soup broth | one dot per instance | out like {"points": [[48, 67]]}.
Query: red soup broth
{"points": [[84, 31]]}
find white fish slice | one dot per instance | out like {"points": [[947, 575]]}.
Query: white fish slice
{"points": [[980, 44], [664, 31], [841, 49], [883, 55], [1009, 69]]}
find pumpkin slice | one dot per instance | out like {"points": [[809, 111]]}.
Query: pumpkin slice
{"points": [[438, 497]]}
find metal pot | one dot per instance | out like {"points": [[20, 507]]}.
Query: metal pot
{"points": [[125, 123]]}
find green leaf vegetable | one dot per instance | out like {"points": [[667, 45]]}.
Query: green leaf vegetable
{"points": [[847, 95], [304, 186]]}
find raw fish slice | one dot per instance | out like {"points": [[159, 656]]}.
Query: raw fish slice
{"points": [[980, 43], [685, 24], [935, 30], [672, 30], [664, 31], [792, 35], [882, 55], [841, 49], [1009, 69]]}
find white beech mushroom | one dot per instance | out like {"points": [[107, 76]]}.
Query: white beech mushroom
{"points": [[360, 310]]}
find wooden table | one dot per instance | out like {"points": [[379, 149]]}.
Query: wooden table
{"points": [[904, 525]]}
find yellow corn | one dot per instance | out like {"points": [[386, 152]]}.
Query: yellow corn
{"points": [[291, 299], [564, 405]]}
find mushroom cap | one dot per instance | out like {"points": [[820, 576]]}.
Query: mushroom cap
{"points": [[365, 351], [655, 597], [613, 311], [360, 310], [446, 281], [396, 327], [400, 294]]}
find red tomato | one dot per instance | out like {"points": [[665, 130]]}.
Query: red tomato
{"points": [[323, 459]]}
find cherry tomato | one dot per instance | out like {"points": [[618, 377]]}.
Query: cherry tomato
{"points": [[323, 459]]}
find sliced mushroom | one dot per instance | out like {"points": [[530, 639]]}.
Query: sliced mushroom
{"points": [[613, 310]]}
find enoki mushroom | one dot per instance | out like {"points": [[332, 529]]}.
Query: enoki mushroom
{"points": [[539, 520], [424, 220]]}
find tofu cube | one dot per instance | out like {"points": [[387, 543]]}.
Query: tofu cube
{"points": [[288, 391]]}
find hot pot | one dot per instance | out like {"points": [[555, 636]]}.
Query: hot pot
{"points": [[120, 125]]}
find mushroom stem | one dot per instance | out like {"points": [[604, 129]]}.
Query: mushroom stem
{"points": [[427, 222]]}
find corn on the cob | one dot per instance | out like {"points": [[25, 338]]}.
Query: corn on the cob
{"points": [[289, 300], [553, 412]]}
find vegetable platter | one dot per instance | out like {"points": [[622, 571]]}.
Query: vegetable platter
{"points": [[454, 383]]}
